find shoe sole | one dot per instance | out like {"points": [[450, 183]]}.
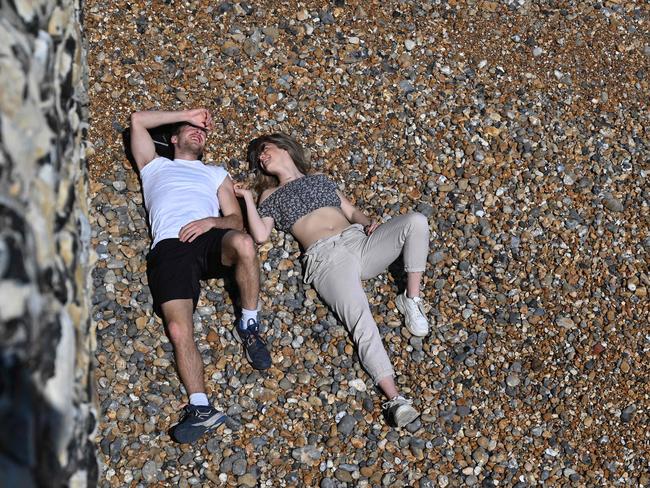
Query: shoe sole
{"points": [[250, 361], [402, 309], [406, 417], [192, 438]]}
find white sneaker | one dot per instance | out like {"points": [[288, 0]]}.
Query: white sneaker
{"points": [[414, 317], [399, 411]]}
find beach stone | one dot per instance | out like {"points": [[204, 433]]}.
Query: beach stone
{"points": [[327, 483], [513, 380], [480, 456], [119, 185], [565, 322], [613, 204], [343, 475], [347, 424], [247, 480], [150, 471], [239, 467], [358, 384], [307, 454], [627, 413]]}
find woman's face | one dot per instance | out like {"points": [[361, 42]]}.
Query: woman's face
{"points": [[272, 157]]}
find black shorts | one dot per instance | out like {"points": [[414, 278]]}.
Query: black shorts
{"points": [[174, 268]]}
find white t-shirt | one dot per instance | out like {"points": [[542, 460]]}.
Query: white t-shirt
{"points": [[178, 192]]}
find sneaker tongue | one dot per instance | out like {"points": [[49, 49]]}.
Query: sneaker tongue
{"points": [[416, 299]]}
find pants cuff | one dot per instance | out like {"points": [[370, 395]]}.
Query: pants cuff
{"points": [[382, 375], [414, 269]]}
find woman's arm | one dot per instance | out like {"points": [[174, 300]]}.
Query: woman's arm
{"points": [[356, 216], [260, 228]]}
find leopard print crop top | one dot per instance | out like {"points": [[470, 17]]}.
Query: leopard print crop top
{"points": [[299, 197]]}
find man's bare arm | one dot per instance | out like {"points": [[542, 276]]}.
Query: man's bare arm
{"points": [[142, 145], [230, 209]]}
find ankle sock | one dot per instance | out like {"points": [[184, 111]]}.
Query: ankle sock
{"points": [[246, 315], [199, 399]]}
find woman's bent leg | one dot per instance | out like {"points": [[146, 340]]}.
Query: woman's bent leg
{"points": [[339, 285], [407, 234]]}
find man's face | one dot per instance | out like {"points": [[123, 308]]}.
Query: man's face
{"points": [[190, 139]]}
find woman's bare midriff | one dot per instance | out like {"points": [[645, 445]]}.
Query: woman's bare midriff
{"points": [[319, 224]]}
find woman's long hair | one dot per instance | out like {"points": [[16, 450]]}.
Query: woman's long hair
{"points": [[264, 180]]}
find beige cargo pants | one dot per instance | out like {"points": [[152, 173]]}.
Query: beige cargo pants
{"points": [[335, 267]]}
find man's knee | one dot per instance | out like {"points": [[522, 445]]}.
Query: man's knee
{"points": [[243, 246], [180, 332]]}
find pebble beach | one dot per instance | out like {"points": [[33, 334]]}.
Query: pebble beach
{"points": [[520, 129]]}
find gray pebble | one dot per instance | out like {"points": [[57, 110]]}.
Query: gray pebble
{"points": [[327, 483], [150, 471], [239, 467], [613, 204], [187, 458], [213, 445], [627, 413], [346, 425], [119, 185]]}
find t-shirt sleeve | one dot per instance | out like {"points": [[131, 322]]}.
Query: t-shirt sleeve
{"points": [[152, 165], [220, 175]]}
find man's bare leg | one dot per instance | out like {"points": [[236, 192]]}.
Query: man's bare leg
{"points": [[180, 326], [238, 250], [198, 417]]}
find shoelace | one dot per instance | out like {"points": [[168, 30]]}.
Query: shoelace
{"points": [[251, 339], [196, 412], [395, 401], [252, 332], [418, 302]]}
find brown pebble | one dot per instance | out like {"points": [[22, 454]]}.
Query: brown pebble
{"points": [[212, 336], [625, 367], [598, 348], [366, 471], [536, 364]]}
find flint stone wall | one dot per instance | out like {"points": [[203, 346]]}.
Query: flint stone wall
{"points": [[46, 414]]}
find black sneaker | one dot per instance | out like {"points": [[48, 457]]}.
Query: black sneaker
{"points": [[254, 345], [196, 421], [400, 412]]}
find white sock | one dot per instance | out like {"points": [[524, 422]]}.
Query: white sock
{"points": [[199, 399], [246, 315]]}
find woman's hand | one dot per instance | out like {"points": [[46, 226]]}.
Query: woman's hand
{"points": [[243, 192], [371, 227]]}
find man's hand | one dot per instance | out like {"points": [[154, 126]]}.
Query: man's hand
{"points": [[200, 117], [194, 229], [371, 227]]}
